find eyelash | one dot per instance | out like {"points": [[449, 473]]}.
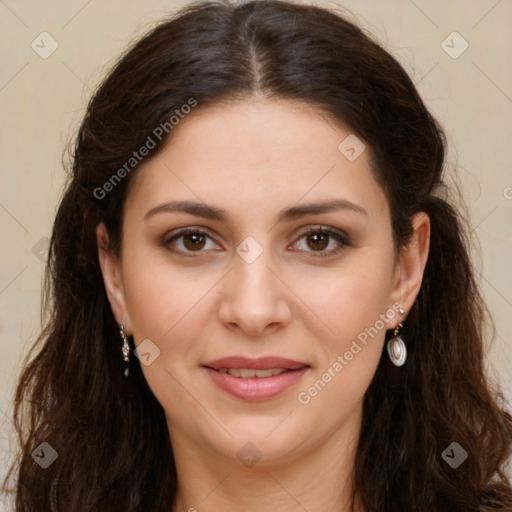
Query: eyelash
{"points": [[339, 236]]}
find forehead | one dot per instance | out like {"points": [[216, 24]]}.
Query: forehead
{"points": [[258, 156]]}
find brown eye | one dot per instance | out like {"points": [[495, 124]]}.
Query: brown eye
{"points": [[319, 238], [318, 241], [187, 241], [193, 241]]}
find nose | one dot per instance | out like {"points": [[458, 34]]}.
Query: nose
{"points": [[254, 298]]}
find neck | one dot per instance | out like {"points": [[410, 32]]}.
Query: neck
{"points": [[321, 479]]}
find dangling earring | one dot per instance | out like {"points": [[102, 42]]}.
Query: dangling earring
{"points": [[125, 349], [397, 350]]}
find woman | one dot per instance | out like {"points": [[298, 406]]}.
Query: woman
{"points": [[256, 214]]}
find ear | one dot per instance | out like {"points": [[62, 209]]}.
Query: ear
{"points": [[411, 263], [112, 277]]}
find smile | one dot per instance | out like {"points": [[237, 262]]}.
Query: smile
{"points": [[255, 379], [249, 372]]}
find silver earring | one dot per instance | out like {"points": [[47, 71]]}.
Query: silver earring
{"points": [[397, 350], [125, 349]]}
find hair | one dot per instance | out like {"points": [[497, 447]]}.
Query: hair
{"points": [[110, 433]]}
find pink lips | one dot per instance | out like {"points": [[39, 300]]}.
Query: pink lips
{"points": [[255, 388]]}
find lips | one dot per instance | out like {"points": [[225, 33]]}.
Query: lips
{"points": [[246, 373], [255, 379], [263, 363]]}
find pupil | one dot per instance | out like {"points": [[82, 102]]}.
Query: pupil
{"points": [[194, 240], [316, 238]]}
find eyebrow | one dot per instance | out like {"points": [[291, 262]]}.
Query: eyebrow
{"points": [[288, 214]]}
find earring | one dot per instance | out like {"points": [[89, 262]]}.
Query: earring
{"points": [[397, 350], [125, 349]]}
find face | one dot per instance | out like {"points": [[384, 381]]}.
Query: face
{"points": [[277, 266]]}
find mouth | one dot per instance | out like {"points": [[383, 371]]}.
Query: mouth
{"points": [[255, 379], [246, 373]]}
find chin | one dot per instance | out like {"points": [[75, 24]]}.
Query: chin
{"points": [[269, 440]]}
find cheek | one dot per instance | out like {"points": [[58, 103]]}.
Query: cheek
{"points": [[354, 305], [350, 358], [160, 297], [167, 306], [348, 299]]}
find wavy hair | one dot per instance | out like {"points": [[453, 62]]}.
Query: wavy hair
{"points": [[114, 452]]}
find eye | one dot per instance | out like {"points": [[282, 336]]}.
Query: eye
{"points": [[318, 238], [189, 240], [193, 240]]}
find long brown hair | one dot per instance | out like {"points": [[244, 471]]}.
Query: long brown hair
{"points": [[110, 434]]}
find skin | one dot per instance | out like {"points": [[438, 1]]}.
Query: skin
{"points": [[254, 158]]}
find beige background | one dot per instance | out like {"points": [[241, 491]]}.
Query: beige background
{"points": [[42, 102]]}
